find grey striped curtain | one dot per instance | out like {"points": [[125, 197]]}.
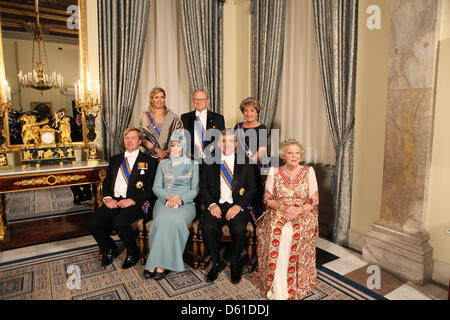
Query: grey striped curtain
{"points": [[122, 25], [336, 29], [268, 27], [202, 32]]}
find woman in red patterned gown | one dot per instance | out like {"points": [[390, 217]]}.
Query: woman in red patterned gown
{"points": [[288, 229]]}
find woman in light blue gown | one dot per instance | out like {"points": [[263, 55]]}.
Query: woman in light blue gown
{"points": [[175, 186]]}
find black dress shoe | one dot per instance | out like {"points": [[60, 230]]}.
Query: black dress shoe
{"points": [[130, 261], [214, 272], [235, 274], [109, 256], [148, 274], [161, 275], [77, 200], [106, 261]]}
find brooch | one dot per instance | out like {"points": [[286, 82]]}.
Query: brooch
{"points": [[241, 191], [248, 154], [139, 185], [189, 175]]}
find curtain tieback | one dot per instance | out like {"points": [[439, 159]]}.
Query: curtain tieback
{"points": [[339, 149]]}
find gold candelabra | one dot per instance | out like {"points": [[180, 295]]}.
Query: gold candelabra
{"points": [[5, 105], [88, 102]]}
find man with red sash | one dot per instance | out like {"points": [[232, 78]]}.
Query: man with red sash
{"points": [[227, 188], [127, 191]]}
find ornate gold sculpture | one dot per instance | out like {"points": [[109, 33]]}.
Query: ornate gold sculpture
{"points": [[45, 148], [63, 125], [4, 108], [31, 130], [50, 180]]}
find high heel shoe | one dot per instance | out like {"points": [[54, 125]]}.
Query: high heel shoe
{"points": [[148, 274], [161, 275]]}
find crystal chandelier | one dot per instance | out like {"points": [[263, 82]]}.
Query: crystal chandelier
{"points": [[39, 78]]}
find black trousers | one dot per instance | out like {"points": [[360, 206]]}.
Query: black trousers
{"points": [[104, 220], [212, 226]]}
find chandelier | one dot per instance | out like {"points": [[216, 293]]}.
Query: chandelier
{"points": [[40, 77]]}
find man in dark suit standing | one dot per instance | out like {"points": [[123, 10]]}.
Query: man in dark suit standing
{"points": [[198, 122], [76, 130], [126, 191], [226, 187]]}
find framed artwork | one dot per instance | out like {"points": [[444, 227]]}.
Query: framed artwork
{"points": [[43, 109]]}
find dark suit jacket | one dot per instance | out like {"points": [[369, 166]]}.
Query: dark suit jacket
{"points": [[138, 194], [76, 132], [243, 182], [213, 121]]}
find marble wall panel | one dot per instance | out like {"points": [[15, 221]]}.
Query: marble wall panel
{"points": [[413, 40], [408, 145], [409, 112]]}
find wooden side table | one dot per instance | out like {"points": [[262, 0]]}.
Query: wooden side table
{"points": [[19, 179]]}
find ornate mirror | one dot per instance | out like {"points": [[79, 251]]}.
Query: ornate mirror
{"points": [[44, 55]]}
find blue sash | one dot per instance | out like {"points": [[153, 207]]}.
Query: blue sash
{"points": [[244, 145], [252, 213], [153, 124], [200, 132], [125, 169], [145, 206], [226, 174], [126, 173], [228, 177]]}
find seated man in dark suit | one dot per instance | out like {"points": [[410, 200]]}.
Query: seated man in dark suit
{"points": [[126, 190], [198, 122], [226, 188]]}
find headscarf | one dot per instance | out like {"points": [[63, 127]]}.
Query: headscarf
{"points": [[179, 135]]}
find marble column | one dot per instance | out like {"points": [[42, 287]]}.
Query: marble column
{"points": [[398, 241]]}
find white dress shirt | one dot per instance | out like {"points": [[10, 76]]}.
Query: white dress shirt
{"points": [[121, 186], [198, 150], [226, 194]]}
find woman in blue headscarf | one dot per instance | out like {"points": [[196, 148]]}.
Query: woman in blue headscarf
{"points": [[175, 186]]}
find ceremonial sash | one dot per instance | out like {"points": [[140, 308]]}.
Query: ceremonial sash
{"points": [[244, 144], [125, 169], [153, 125], [145, 206], [226, 174], [200, 132], [252, 213], [126, 173], [228, 177]]}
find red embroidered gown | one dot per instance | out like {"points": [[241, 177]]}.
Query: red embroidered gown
{"points": [[286, 249]]}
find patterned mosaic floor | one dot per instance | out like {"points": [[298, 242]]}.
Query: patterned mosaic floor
{"points": [[52, 277]]}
